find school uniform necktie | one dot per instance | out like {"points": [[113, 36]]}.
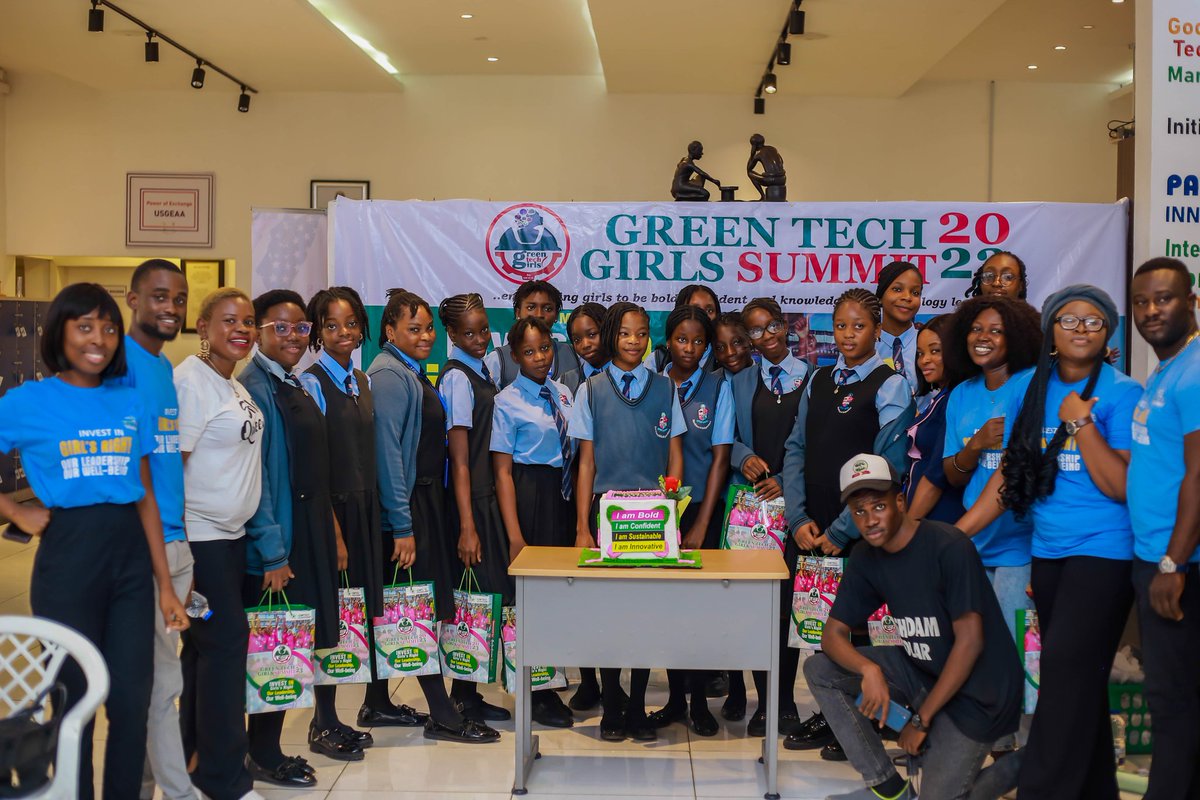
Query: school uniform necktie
{"points": [[842, 377], [292, 380], [777, 382], [487, 373], [627, 389], [684, 388], [898, 356], [351, 389], [564, 442]]}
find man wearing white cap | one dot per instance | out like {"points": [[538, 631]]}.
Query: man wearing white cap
{"points": [[957, 671]]}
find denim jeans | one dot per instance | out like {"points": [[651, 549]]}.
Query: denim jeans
{"points": [[949, 768], [1009, 584]]}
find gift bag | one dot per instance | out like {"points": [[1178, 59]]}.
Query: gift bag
{"points": [[817, 579], [279, 668], [405, 640], [540, 677], [350, 660], [470, 642], [750, 523], [1029, 645], [882, 628]]}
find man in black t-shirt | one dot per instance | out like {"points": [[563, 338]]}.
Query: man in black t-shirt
{"points": [[957, 670]]}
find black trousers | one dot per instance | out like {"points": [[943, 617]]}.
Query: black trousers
{"points": [[1171, 658], [92, 573], [212, 707], [1082, 604]]}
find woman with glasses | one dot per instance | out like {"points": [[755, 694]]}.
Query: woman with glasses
{"points": [[1068, 445], [765, 400], [292, 540], [1003, 274]]}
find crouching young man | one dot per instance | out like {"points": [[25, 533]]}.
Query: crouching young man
{"points": [[957, 670]]}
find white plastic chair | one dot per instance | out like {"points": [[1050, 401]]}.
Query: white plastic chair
{"points": [[32, 651]]}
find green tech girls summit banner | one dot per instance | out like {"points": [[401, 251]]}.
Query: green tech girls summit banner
{"points": [[802, 254]]}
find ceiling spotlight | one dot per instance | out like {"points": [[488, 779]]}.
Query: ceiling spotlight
{"points": [[243, 101], [768, 83], [796, 22], [1118, 1], [198, 75], [466, 16], [95, 18], [151, 48], [783, 54], [760, 105], [1032, 66], [1088, 27], [1060, 47], [493, 59]]}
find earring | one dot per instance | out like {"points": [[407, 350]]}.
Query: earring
{"points": [[205, 349], [1054, 351]]}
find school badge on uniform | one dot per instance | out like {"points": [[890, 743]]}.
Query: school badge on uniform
{"points": [[563, 400], [847, 402], [663, 429], [703, 418]]}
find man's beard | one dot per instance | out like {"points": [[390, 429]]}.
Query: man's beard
{"points": [[151, 330]]}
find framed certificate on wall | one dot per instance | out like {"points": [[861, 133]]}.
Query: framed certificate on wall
{"points": [[168, 208], [204, 278]]}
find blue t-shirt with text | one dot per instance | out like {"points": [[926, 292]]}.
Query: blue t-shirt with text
{"points": [[1168, 410], [154, 378], [80, 447], [1078, 519], [1006, 542]]}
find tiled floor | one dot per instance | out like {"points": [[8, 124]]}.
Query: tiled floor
{"points": [[575, 763]]}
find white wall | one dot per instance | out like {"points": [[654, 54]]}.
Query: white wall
{"points": [[68, 147]]}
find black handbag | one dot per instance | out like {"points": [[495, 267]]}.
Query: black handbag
{"points": [[28, 747]]}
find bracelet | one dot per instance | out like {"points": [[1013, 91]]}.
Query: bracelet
{"points": [[954, 463]]}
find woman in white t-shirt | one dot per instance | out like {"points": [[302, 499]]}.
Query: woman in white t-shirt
{"points": [[220, 433]]}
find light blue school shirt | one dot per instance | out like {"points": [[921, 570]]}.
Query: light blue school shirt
{"points": [[79, 446], [154, 378], [792, 377], [523, 425], [1007, 541], [1168, 411], [581, 421], [1078, 519], [885, 347], [723, 418], [456, 388], [337, 373], [893, 397]]}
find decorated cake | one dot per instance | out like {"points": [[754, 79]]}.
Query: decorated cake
{"points": [[641, 525]]}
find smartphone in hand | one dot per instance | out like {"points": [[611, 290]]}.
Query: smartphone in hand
{"points": [[897, 716], [15, 534]]}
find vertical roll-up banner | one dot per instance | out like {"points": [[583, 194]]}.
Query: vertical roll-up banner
{"points": [[802, 254]]}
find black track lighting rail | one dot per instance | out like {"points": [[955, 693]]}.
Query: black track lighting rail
{"points": [[769, 82]]}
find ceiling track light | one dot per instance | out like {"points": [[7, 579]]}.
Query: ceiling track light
{"points": [[760, 105], [796, 21], [153, 37], [783, 54], [96, 18], [769, 84]]}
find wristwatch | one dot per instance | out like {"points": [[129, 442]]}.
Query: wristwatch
{"points": [[915, 721], [1072, 426], [1167, 566]]}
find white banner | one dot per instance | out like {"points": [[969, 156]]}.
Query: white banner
{"points": [[1174, 130], [803, 254]]}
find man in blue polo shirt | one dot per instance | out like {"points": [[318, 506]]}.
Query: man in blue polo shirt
{"points": [[1163, 490], [157, 299]]}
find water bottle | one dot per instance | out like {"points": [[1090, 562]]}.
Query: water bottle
{"points": [[197, 607], [1118, 734]]}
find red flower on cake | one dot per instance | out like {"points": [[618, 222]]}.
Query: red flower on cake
{"points": [[671, 483]]}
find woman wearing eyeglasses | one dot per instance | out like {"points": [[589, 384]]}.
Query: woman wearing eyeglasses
{"points": [[765, 401], [1002, 274], [1067, 453], [292, 545]]}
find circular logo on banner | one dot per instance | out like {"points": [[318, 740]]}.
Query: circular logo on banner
{"points": [[526, 242]]}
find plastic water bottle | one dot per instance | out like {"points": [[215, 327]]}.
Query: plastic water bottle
{"points": [[1118, 734], [198, 608]]}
